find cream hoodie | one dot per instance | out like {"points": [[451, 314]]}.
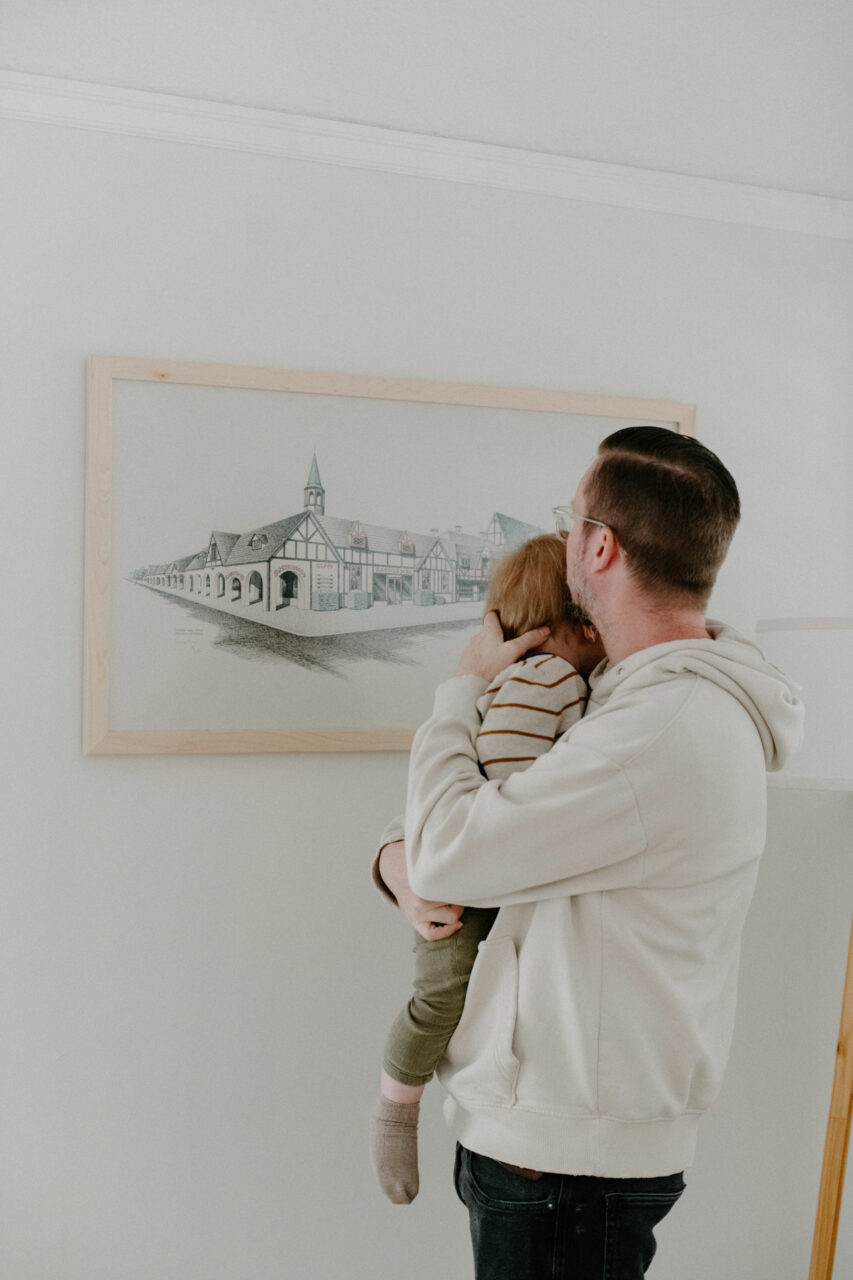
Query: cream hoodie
{"points": [[599, 1014]]}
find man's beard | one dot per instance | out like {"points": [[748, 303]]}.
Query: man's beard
{"points": [[581, 592]]}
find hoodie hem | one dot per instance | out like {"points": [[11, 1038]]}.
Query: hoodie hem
{"points": [[588, 1146]]}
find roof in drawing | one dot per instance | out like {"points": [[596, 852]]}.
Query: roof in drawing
{"points": [[516, 531], [268, 539], [379, 537], [225, 543], [184, 563]]}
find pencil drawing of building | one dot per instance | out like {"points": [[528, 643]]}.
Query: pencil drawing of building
{"points": [[317, 574]]}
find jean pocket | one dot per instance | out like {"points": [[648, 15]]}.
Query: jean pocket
{"points": [[631, 1218], [491, 1186]]}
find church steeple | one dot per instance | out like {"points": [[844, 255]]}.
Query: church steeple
{"points": [[315, 494]]}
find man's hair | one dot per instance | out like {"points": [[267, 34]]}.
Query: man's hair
{"points": [[528, 587], [670, 502]]}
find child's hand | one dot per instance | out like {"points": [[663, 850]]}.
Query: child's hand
{"points": [[432, 920], [487, 653]]}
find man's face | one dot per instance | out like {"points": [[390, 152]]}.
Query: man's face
{"points": [[576, 575]]}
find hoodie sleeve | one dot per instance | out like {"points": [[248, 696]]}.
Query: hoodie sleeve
{"points": [[568, 824], [395, 830]]}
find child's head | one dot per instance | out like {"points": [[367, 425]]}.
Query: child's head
{"points": [[528, 588]]}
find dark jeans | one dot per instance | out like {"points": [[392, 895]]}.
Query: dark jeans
{"points": [[558, 1226]]}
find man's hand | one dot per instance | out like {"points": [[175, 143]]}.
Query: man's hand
{"points": [[487, 653], [433, 920]]}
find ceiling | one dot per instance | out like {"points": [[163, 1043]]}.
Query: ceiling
{"points": [[753, 91]]}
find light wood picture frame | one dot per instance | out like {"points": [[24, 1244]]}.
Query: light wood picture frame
{"points": [[336, 613]]}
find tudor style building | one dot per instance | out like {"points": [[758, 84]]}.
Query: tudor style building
{"points": [[313, 561]]}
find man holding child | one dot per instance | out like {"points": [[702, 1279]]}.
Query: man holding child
{"points": [[599, 1013]]}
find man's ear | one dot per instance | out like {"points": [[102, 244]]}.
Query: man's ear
{"points": [[589, 632], [605, 548]]}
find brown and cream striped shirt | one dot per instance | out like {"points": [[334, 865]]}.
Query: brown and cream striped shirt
{"points": [[525, 709]]}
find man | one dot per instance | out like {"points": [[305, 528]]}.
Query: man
{"points": [[599, 1013]]}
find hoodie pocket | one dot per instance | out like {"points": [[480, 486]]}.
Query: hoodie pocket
{"points": [[482, 1065]]}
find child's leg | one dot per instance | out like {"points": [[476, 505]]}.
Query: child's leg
{"points": [[421, 1031], [394, 1091], [415, 1044], [394, 1147]]}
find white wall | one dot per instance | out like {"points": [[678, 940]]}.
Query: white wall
{"points": [[197, 974], [752, 93]]}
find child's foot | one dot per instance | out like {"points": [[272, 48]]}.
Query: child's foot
{"points": [[394, 1148]]}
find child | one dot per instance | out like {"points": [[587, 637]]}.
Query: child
{"points": [[524, 711]]}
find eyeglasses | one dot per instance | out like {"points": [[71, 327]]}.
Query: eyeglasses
{"points": [[565, 518]]}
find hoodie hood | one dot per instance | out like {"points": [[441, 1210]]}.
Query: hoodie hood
{"points": [[731, 661]]}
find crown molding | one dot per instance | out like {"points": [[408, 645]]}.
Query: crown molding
{"points": [[139, 113]]}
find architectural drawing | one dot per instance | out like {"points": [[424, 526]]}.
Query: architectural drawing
{"points": [[315, 574]]}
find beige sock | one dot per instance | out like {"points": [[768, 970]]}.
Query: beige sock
{"points": [[394, 1148]]}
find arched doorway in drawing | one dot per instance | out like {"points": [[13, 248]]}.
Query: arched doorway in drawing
{"points": [[236, 588], [289, 593], [256, 588], [207, 584], [191, 583], [220, 585]]}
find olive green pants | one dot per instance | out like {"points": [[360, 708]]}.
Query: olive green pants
{"points": [[420, 1032]]}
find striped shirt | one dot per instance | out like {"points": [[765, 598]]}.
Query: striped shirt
{"points": [[526, 708]]}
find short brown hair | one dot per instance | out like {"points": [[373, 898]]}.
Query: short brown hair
{"points": [[670, 502], [528, 587]]}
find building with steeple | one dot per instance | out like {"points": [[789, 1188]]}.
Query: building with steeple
{"points": [[315, 494], [288, 573]]}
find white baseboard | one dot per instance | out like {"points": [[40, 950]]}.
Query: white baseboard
{"points": [[77, 105]]}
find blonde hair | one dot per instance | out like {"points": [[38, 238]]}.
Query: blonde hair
{"points": [[528, 588]]}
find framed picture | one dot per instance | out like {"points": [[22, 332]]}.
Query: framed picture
{"points": [[291, 561]]}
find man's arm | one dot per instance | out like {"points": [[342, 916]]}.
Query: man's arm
{"points": [[485, 655], [433, 920], [568, 824]]}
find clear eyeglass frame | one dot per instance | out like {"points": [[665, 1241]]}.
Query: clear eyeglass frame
{"points": [[565, 518]]}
